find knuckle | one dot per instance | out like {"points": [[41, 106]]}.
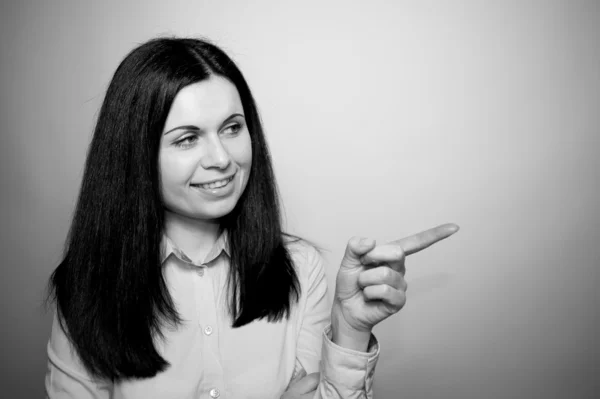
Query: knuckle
{"points": [[399, 253], [387, 273], [387, 290], [401, 300], [402, 270], [398, 281]]}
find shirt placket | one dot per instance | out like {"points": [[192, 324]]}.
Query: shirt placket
{"points": [[213, 383]]}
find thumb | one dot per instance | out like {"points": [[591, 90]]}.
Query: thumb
{"points": [[357, 247]]}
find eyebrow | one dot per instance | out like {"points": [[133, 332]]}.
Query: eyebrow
{"points": [[196, 128]]}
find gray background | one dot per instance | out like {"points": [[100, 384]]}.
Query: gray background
{"points": [[385, 118]]}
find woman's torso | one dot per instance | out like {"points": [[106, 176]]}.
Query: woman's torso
{"points": [[208, 358]]}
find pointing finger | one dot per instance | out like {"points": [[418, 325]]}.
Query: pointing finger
{"points": [[424, 239]]}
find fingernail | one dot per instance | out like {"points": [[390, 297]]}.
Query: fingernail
{"points": [[454, 227]]}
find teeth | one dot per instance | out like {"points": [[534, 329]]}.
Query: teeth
{"points": [[216, 184]]}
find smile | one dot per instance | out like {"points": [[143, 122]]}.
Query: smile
{"points": [[214, 184]]}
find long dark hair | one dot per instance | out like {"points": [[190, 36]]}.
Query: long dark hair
{"points": [[109, 289]]}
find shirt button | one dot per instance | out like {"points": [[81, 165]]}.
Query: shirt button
{"points": [[208, 330], [214, 393]]}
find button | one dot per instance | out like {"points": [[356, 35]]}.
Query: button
{"points": [[200, 271], [214, 393], [208, 330]]}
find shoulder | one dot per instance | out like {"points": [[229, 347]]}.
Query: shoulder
{"points": [[307, 259]]}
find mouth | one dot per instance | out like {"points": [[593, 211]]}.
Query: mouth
{"points": [[215, 184]]}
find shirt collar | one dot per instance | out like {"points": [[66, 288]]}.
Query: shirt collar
{"points": [[168, 247]]}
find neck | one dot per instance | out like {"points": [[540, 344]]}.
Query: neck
{"points": [[194, 237]]}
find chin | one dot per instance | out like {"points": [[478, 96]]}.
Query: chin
{"points": [[219, 211]]}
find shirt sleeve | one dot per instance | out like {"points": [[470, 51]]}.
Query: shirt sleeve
{"points": [[66, 377], [345, 373]]}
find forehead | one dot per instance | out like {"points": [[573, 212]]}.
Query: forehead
{"points": [[204, 104]]}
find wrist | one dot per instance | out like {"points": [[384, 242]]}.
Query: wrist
{"points": [[346, 336]]}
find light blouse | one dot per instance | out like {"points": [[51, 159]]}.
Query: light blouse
{"points": [[210, 359]]}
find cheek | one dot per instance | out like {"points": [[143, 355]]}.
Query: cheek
{"points": [[240, 151], [175, 173], [244, 156], [247, 168], [246, 162]]}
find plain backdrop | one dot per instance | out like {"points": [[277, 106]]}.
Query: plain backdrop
{"points": [[384, 118]]}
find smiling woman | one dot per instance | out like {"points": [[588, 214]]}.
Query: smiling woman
{"points": [[177, 279]]}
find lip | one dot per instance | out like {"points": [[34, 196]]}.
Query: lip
{"points": [[218, 192], [214, 180]]}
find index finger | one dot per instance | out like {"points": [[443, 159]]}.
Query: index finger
{"points": [[424, 239]]}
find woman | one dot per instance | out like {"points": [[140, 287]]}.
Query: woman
{"points": [[177, 281]]}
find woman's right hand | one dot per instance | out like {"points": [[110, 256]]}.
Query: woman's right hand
{"points": [[302, 386], [370, 284]]}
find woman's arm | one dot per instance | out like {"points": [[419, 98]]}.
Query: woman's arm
{"points": [[345, 373], [66, 377], [370, 287]]}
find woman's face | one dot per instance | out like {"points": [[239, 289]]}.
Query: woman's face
{"points": [[205, 151]]}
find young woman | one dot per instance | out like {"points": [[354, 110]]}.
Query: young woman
{"points": [[177, 280]]}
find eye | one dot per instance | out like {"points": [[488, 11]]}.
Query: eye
{"points": [[187, 141], [232, 129]]}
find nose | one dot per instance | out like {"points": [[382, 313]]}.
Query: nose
{"points": [[216, 155]]}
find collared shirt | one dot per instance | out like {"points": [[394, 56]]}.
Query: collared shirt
{"points": [[210, 359]]}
